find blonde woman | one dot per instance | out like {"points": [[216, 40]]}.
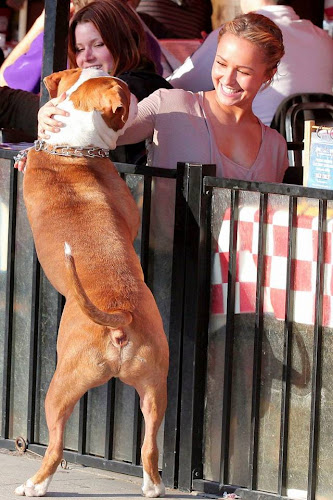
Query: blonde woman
{"points": [[219, 126]]}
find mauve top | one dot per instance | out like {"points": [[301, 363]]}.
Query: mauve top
{"points": [[180, 132], [25, 72]]}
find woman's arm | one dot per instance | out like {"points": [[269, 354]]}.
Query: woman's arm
{"points": [[143, 126], [18, 109], [23, 46]]}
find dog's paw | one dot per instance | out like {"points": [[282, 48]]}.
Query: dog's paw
{"points": [[20, 490], [29, 489], [151, 490]]}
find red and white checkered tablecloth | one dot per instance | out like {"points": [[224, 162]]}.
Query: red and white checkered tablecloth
{"points": [[275, 266]]}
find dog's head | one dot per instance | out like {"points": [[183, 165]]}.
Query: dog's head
{"points": [[97, 94]]}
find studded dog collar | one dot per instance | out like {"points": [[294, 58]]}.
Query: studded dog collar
{"points": [[76, 151]]}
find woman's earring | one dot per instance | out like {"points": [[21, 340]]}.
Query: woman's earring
{"points": [[266, 84]]}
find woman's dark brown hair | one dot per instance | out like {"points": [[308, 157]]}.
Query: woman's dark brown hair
{"points": [[121, 31]]}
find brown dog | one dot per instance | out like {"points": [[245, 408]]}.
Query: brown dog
{"points": [[110, 326]]}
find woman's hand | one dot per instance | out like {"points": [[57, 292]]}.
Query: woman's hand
{"points": [[23, 46], [20, 160], [46, 121]]}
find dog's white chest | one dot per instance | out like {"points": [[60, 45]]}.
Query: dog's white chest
{"points": [[83, 128]]}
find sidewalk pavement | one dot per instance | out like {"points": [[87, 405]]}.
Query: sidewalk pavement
{"points": [[75, 482]]}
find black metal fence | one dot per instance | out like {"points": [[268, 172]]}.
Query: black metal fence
{"points": [[106, 427], [268, 383], [244, 285]]}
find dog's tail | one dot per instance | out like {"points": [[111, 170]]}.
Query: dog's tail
{"points": [[115, 319]]}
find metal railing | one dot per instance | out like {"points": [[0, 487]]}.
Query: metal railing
{"points": [[295, 402], [249, 386], [30, 311]]}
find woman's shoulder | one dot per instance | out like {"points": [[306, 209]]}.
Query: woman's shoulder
{"points": [[273, 137], [144, 83], [177, 96]]}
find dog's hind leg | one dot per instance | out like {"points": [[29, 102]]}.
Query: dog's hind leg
{"points": [[68, 385], [59, 404], [153, 400]]}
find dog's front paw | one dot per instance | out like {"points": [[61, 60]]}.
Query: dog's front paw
{"points": [[29, 489], [151, 490], [20, 490]]}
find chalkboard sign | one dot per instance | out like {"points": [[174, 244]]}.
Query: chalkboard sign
{"points": [[320, 174]]}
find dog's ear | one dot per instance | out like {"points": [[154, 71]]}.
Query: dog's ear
{"points": [[51, 83], [115, 106], [59, 82], [110, 96]]}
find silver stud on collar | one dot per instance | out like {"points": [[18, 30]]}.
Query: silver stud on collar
{"points": [[75, 151]]}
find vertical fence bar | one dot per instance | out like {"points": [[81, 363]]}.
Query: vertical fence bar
{"points": [[110, 405], [146, 207], [229, 340], [144, 258], [137, 431], [317, 356], [34, 330], [7, 362], [83, 409], [60, 307], [285, 403], [171, 423], [195, 327], [257, 350], [55, 40]]}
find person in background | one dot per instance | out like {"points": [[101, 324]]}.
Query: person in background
{"points": [[108, 34], [112, 27], [176, 18], [158, 29], [306, 66], [18, 110], [23, 67], [217, 126]]}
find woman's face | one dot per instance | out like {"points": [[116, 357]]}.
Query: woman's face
{"points": [[91, 52], [238, 71]]}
